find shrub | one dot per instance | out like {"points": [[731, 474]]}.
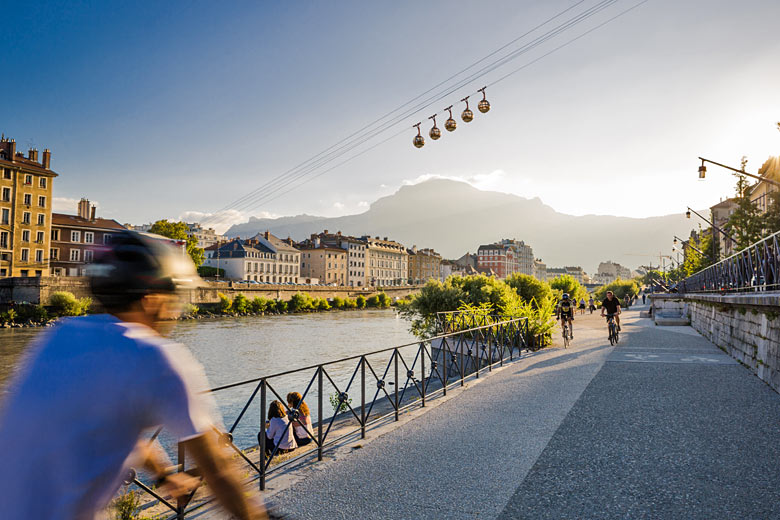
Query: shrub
{"points": [[240, 304], [190, 309], [337, 303], [34, 313], [567, 284], [360, 301], [528, 287], [125, 505], [321, 304], [620, 287], [350, 303], [383, 300], [301, 302], [8, 316], [224, 303], [337, 404], [259, 305], [280, 306], [64, 303], [210, 272], [372, 301]]}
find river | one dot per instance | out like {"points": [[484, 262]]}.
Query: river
{"points": [[236, 349]]}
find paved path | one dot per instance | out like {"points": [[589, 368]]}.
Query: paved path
{"points": [[663, 426]]}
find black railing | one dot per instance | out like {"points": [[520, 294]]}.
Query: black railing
{"points": [[755, 268], [385, 382]]}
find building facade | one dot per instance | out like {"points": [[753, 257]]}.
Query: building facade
{"points": [[356, 254], [720, 213], [75, 239], [524, 256], [206, 237], [387, 263], [25, 211], [498, 258], [424, 264], [328, 264], [540, 270], [610, 271], [262, 258]]}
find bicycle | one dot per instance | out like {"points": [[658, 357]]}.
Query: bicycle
{"points": [[565, 329], [612, 327]]}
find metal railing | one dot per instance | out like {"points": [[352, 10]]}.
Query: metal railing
{"points": [[755, 268], [385, 382]]}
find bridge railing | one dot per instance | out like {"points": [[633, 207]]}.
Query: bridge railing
{"points": [[755, 268], [383, 383]]}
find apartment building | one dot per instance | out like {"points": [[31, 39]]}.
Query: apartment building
{"points": [[326, 263], [206, 237], [75, 239], [387, 262], [498, 258], [424, 264], [25, 210], [356, 255], [262, 258], [540, 270], [523, 257], [610, 271], [720, 213]]}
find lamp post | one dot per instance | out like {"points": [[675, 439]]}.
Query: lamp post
{"points": [[683, 242], [703, 172], [688, 215]]}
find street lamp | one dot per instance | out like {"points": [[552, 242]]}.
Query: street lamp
{"points": [[703, 171], [688, 214]]}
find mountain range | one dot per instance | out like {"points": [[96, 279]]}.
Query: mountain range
{"points": [[454, 218]]}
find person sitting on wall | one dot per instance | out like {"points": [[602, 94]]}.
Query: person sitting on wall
{"points": [[302, 426], [279, 432]]}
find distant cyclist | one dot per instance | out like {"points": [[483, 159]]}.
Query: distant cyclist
{"points": [[566, 313], [611, 305], [78, 408]]}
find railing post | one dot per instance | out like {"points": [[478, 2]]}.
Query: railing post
{"points": [[397, 384], [490, 349], [319, 413], [181, 501], [422, 371], [363, 397], [262, 434], [445, 361], [462, 357], [476, 351]]}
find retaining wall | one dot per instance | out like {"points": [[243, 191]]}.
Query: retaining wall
{"points": [[747, 326], [39, 290]]}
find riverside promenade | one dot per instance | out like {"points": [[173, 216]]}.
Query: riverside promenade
{"points": [[665, 425]]}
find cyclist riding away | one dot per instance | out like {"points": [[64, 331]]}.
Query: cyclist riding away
{"points": [[75, 414], [611, 305], [566, 313]]}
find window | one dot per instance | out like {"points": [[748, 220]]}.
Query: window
{"points": [[106, 238], [89, 237], [74, 255], [75, 236], [24, 272], [54, 253], [55, 234], [6, 217], [3, 239], [26, 235], [27, 199], [28, 179], [6, 194], [42, 183], [26, 217], [25, 255], [88, 255], [3, 272], [41, 219], [6, 173], [41, 201], [39, 237], [39, 255], [38, 273]]}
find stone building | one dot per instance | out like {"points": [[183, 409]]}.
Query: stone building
{"points": [[498, 258], [206, 237], [610, 271], [25, 210], [326, 263], [524, 256], [386, 262], [540, 270], [424, 264], [262, 258], [356, 254], [75, 238]]}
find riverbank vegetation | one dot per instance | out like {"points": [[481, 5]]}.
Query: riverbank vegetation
{"points": [[62, 303], [520, 296]]}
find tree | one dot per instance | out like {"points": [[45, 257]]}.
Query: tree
{"points": [[566, 283], [178, 231], [772, 215], [747, 223], [528, 287]]}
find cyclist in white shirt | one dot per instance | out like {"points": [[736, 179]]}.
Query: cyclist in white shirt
{"points": [[91, 386]]}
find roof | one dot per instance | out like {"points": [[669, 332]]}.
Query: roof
{"points": [[61, 219], [275, 243], [27, 164], [236, 249]]}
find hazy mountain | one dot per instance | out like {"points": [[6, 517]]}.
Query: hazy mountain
{"points": [[454, 218]]}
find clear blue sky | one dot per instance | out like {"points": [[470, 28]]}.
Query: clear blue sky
{"points": [[158, 109]]}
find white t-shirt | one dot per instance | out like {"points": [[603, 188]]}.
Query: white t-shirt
{"points": [[303, 431], [280, 433], [88, 389]]}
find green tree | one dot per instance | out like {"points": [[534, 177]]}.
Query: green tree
{"points": [[178, 231], [240, 304], [772, 216], [360, 301], [566, 283], [746, 224], [620, 288], [529, 288], [300, 302], [224, 304]]}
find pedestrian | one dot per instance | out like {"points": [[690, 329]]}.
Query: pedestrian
{"points": [[91, 386], [644, 297]]}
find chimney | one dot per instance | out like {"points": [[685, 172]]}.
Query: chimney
{"points": [[338, 233], [326, 232], [267, 235], [92, 213], [46, 161], [31, 154], [13, 150], [316, 241], [84, 208], [385, 239]]}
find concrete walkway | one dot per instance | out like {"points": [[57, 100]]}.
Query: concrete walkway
{"points": [[663, 426]]}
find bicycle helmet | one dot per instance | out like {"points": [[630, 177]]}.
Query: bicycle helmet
{"points": [[565, 296], [136, 264]]}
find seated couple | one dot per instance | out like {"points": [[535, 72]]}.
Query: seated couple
{"points": [[278, 434]]}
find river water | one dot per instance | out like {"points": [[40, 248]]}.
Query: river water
{"points": [[236, 349]]}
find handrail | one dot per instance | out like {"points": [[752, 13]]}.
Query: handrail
{"points": [[754, 268], [417, 372]]}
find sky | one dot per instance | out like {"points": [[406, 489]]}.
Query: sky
{"points": [[180, 109]]}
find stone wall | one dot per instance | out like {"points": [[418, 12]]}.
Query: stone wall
{"points": [[747, 326], [39, 290]]}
